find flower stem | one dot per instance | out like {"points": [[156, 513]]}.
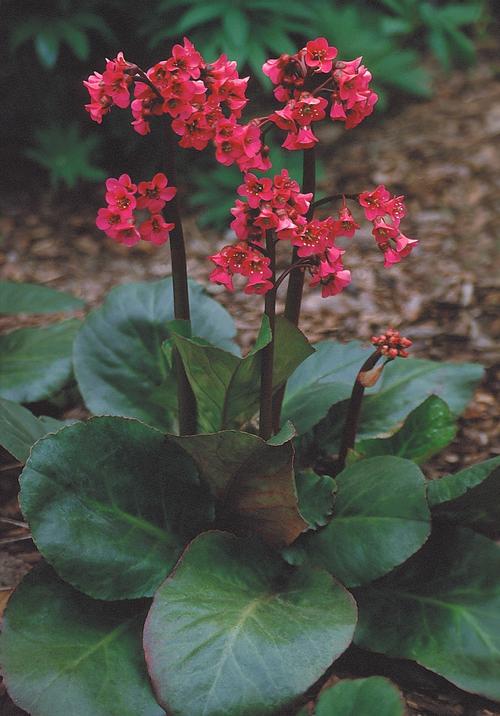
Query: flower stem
{"points": [[353, 411], [185, 396], [296, 280], [333, 197], [266, 371]]}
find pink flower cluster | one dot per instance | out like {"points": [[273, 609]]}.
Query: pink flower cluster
{"points": [[385, 211], [204, 102], [301, 80], [392, 344], [278, 205], [123, 198]]}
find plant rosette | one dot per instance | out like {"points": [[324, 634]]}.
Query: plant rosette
{"points": [[224, 527]]}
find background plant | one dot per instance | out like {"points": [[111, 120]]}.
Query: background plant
{"points": [[48, 44]]}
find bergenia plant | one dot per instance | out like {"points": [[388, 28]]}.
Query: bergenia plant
{"points": [[226, 526]]}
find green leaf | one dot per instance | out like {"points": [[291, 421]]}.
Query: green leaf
{"points": [[325, 378], [227, 388], [427, 430], [75, 39], [47, 47], [357, 697], [253, 482], [111, 504], [18, 297], [380, 518], [441, 609], [461, 14], [200, 15], [233, 631], [316, 494], [119, 363], [63, 653], [405, 383], [470, 498], [236, 27], [19, 428], [36, 362]]}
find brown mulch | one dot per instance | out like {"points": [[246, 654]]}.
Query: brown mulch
{"points": [[443, 154]]}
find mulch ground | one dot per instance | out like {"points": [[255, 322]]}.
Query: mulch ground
{"points": [[443, 154]]}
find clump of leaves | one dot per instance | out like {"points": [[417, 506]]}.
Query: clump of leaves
{"points": [[66, 154]]}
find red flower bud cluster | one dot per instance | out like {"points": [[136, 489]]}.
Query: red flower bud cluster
{"points": [[301, 81], [386, 212], [392, 344], [204, 102], [118, 219]]}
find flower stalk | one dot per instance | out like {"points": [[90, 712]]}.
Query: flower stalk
{"points": [[266, 382], [353, 411], [185, 397], [296, 280]]}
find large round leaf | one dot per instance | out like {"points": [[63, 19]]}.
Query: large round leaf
{"points": [[357, 697], [405, 384], [65, 654], [111, 503], [36, 362], [320, 381], [119, 363], [234, 631], [18, 297], [442, 609], [380, 518]]}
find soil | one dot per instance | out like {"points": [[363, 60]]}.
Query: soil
{"points": [[443, 154]]}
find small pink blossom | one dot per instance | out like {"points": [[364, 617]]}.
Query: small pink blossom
{"points": [[320, 55]]}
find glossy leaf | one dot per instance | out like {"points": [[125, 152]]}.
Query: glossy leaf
{"points": [[233, 631], [441, 609], [357, 697], [470, 498], [119, 363], [20, 429], [64, 653], [405, 383], [253, 482], [325, 378], [427, 430], [227, 388], [18, 297], [316, 496], [380, 518], [36, 362], [111, 504]]}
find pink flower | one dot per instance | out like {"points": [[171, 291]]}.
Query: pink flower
{"points": [[256, 190], [375, 202], [222, 276], [185, 61], [112, 220], [303, 139], [309, 109], [319, 55], [155, 229], [129, 236], [345, 226], [154, 194]]}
